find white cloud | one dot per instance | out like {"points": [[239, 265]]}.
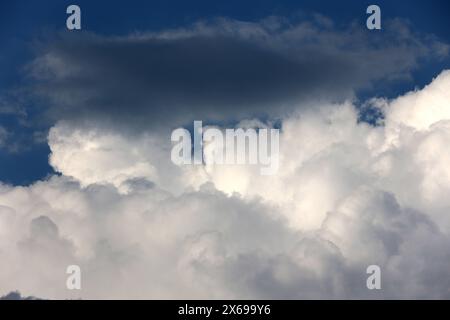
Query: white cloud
{"points": [[423, 108], [347, 195]]}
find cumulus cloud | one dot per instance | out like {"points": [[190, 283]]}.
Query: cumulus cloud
{"points": [[347, 195]]}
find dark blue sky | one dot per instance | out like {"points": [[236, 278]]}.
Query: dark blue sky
{"points": [[21, 22]]}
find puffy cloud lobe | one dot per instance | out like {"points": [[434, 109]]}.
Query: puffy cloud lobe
{"points": [[347, 195]]}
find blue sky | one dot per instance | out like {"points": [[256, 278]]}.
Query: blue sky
{"points": [[23, 22]]}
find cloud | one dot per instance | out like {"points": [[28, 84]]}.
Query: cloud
{"points": [[347, 195], [429, 106], [15, 295], [228, 70]]}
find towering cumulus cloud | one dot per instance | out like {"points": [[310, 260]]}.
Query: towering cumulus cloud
{"points": [[347, 194]]}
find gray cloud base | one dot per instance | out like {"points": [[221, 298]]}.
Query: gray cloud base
{"points": [[219, 71]]}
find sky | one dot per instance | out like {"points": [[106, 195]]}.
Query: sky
{"points": [[86, 176], [24, 22]]}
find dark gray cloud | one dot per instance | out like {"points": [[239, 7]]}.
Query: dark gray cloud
{"points": [[225, 70], [16, 295]]}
